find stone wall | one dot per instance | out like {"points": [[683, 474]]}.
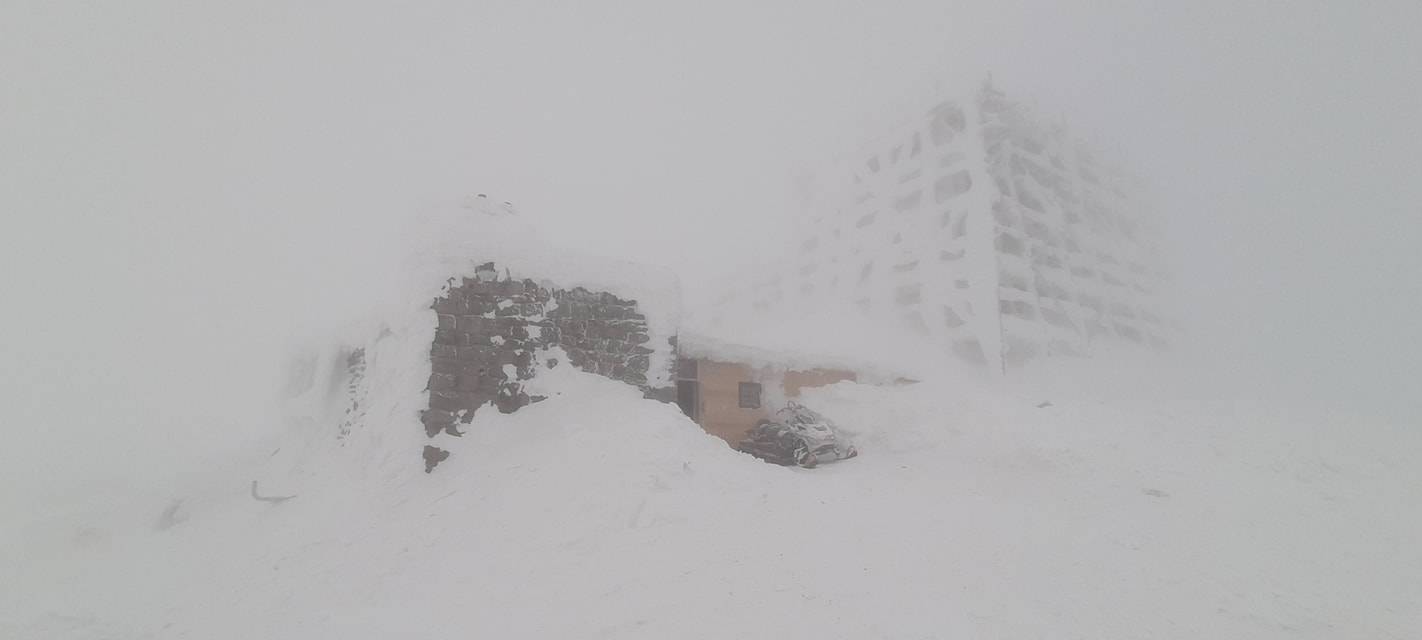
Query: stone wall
{"points": [[602, 334], [490, 329]]}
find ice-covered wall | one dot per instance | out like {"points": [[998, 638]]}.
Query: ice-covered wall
{"points": [[478, 306], [994, 237], [495, 332], [1077, 258]]}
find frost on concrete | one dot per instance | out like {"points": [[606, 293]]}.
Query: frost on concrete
{"points": [[976, 227]]}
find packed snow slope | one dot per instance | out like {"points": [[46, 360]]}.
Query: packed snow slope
{"points": [[972, 512]]}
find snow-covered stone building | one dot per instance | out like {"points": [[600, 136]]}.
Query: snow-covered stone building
{"points": [[482, 310], [975, 226]]}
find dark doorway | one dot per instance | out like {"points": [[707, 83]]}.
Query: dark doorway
{"points": [[688, 397], [688, 389]]}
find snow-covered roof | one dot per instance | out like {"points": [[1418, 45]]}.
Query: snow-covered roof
{"points": [[803, 340]]}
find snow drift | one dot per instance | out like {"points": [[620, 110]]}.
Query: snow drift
{"points": [[971, 512], [1057, 504]]}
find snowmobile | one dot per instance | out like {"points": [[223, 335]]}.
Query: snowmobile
{"points": [[798, 436]]}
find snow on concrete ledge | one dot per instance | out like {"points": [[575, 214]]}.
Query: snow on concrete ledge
{"points": [[803, 340]]}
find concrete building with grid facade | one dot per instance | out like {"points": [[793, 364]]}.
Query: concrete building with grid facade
{"points": [[994, 237]]}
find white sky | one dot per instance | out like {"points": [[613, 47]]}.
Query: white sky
{"points": [[184, 184]]}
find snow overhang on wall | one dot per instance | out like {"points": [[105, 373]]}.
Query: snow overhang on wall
{"points": [[381, 363], [454, 243], [804, 339]]}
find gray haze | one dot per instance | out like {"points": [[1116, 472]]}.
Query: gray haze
{"points": [[184, 186]]}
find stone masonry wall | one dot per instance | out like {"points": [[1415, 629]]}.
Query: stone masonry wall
{"points": [[489, 332]]}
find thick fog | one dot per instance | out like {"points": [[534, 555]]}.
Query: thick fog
{"points": [[187, 188]]}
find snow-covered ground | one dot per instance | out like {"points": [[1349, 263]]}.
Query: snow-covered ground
{"points": [[972, 513]]}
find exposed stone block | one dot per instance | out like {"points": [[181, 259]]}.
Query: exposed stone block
{"points": [[442, 381], [489, 322], [445, 365], [435, 421], [466, 382], [511, 399], [480, 288], [446, 401], [470, 323], [477, 353], [433, 456]]}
